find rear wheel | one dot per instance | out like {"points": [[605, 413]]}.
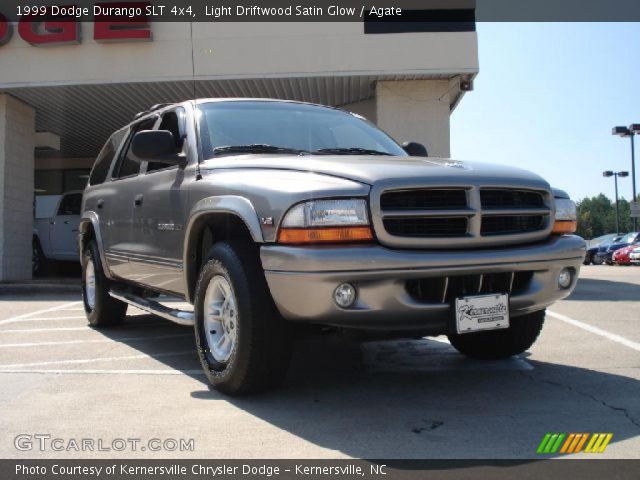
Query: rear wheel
{"points": [[38, 260], [101, 309], [244, 345], [497, 344]]}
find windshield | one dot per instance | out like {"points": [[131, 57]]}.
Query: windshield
{"points": [[289, 126], [628, 238]]}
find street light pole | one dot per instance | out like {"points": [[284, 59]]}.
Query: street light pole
{"points": [[615, 180], [630, 132], [633, 175], [615, 175]]}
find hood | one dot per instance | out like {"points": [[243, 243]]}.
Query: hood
{"points": [[373, 170]]}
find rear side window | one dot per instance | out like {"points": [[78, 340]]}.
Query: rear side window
{"points": [[101, 166], [70, 204]]}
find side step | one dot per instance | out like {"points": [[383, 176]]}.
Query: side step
{"points": [[178, 316]]}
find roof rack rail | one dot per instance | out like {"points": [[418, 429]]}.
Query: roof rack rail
{"points": [[157, 106]]}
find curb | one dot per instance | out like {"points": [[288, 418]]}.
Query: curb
{"points": [[39, 288]]}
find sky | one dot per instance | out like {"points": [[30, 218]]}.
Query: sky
{"points": [[546, 98]]}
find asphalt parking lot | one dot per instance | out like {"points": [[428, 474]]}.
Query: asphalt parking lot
{"points": [[394, 399]]}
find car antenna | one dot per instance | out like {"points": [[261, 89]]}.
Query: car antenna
{"points": [[193, 86]]}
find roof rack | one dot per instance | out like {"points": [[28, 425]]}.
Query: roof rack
{"points": [[157, 106]]}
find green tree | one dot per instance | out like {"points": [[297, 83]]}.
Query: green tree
{"points": [[597, 216]]}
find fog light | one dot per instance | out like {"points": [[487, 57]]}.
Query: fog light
{"points": [[345, 295], [565, 277]]}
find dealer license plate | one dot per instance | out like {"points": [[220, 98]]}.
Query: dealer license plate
{"points": [[482, 312]]}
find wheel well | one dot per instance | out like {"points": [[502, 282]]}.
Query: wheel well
{"points": [[208, 230], [88, 233]]}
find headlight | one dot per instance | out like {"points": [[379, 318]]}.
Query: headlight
{"points": [[566, 216], [320, 221]]}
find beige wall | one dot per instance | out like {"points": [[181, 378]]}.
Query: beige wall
{"points": [[416, 111], [238, 50], [366, 108]]}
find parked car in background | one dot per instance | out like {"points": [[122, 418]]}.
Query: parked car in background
{"points": [[605, 252], [622, 256], [602, 239], [634, 256], [595, 244], [55, 237]]}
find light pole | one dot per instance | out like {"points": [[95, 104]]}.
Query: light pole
{"points": [[615, 175], [630, 132]]}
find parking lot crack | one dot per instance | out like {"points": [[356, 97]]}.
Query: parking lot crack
{"points": [[588, 395]]}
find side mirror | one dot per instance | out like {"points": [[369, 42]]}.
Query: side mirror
{"points": [[157, 146], [415, 149]]}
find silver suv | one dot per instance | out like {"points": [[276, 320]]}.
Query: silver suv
{"points": [[266, 213]]}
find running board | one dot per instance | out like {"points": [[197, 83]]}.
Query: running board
{"points": [[178, 316]]}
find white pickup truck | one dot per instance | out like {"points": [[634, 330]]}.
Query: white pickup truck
{"points": [[55, 237]]}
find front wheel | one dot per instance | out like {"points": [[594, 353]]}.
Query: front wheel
{"points": [[244, 345], [101, 309], [498, 344]]}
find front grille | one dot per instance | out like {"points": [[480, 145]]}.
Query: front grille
{"points": [[426, 226], [493, 198], [461, 216], [424, 199], [447, 289], [510, 224]]}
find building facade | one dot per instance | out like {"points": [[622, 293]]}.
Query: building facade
{"points": [[61, 97]]}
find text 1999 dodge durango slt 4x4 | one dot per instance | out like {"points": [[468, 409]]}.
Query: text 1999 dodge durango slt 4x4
{"points": [[264, 213]]}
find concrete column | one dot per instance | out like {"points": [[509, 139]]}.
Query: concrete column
{"points": [[17, 139], [416, 110]]}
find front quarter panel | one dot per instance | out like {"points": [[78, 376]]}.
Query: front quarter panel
{"points": [[271, 193]]}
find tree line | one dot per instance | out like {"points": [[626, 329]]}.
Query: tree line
{"points": [[597, 216]]}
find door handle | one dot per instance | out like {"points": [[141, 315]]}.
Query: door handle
{"points": [[66, 222], [138, 200], [52, 222], [100, 203]]}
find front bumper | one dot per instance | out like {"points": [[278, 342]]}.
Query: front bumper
{"points": [[302, 280]]}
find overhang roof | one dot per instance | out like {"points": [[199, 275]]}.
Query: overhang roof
{"points": [[85, 115]]}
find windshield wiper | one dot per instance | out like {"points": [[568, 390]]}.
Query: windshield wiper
{"points": [[257, 148], [349, 151]]}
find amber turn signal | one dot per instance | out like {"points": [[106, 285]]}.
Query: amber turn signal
{"points": [[324, 235], [564, 226]]}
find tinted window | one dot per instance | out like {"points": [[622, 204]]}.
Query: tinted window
{"points": [[128, 164], [103, 162], [170, 121], [70, 204]]}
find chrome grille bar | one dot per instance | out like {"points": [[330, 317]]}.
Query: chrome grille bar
{"points": [[407, 224]]}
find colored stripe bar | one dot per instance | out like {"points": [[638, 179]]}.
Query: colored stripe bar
{"points": [[583, 439], [568, 442], [606, 441], [556, 445], [543, 443]]}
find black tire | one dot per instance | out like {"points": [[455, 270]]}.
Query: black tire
{"points": [[259, 358], [588, 259], [597, 260], [106, 310], [39, 262], [498, 344]]}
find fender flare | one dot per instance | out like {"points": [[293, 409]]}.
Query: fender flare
{"points": [[228, 204], [91, 218]]}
